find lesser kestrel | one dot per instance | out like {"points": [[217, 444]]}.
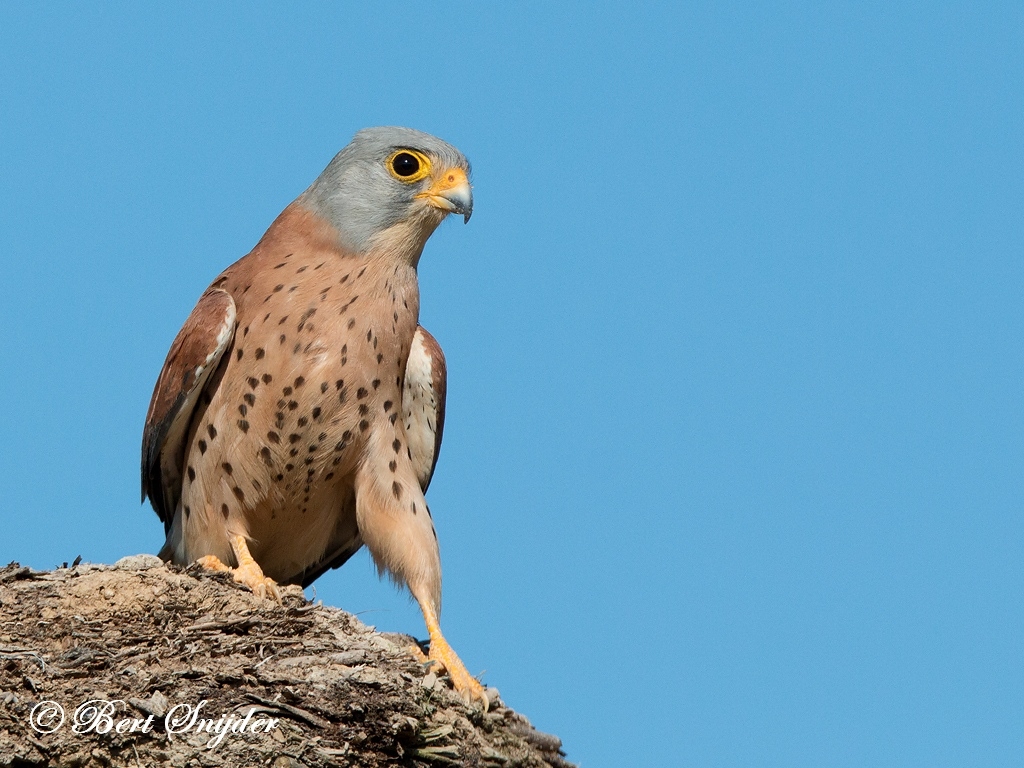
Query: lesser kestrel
{"points": [[298, 415]]}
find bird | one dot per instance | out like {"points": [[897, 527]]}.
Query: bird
{"points": [[299, 412]]}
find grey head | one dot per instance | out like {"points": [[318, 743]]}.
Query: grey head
{"points": [[389, 176]]}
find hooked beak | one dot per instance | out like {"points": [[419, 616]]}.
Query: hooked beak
{"points": [[451, 193]]}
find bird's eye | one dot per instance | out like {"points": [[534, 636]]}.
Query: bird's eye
{"points": [[408, 165], [405, 164]]}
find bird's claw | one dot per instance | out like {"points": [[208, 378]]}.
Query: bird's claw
{"points": [[443, 657], [248, 574]]}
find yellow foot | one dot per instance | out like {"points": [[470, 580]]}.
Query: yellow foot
{"points": [[248, 572], [465, 684], [444, 655]]}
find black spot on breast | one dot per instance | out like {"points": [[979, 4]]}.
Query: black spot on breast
{"points": [[313, 448], [351, 323], [265, 455], [191, 473], [316, 413], [361, 272], [369, 335], [387, 405], [361, 393], [299, 381], [380, 358], [303, 421], [293, 452], [267, 378], [340, 446], [243, 425], [278, 287], [238, 493], [414, 507], [324, 386], [300, 270], [238, 353], [294, 437], [249, 398], [328, 476], [260, 353], [289, 467], [286, 391], [346, 435], [227, 468], [392, 465], [363, 409], [396, 489], [253, 382], [397, 445], [394, 417], [273, 437], [342, 281], [364, 425], [202, 446], [224, 510], [212, 430], [188, 510], [376, 383], [292, 405], [243, 409]]}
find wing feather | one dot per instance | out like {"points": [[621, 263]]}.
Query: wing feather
{"points": [[423, 400], [194, 356]]}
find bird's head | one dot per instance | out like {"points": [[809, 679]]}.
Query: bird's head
{"points": [[390, 188]]}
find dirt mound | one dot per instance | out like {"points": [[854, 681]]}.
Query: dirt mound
{"points": [[141, 664]]}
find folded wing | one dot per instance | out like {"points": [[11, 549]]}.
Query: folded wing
{"points": [[194, 356]]}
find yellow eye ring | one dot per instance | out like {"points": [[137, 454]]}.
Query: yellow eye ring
{"points": [[408, 165]]}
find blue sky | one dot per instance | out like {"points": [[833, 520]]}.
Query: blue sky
{"points": [[732, 471]]}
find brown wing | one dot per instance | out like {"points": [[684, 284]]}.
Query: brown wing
{"points": [[426, 382], [194, 356]]}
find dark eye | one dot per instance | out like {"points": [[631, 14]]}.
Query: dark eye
{"points": [[405, 164]]}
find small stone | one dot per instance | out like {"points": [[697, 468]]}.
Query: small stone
{"points": [[493, 696], [139, 563], [429, 681]]}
